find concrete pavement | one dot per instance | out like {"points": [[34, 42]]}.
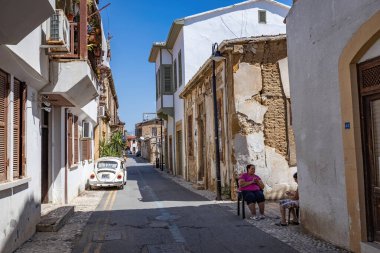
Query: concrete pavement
{"points": [[154, 214]]}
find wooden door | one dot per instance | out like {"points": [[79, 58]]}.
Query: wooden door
{"points": [[170, 156], [369, 85], [179, 152]]}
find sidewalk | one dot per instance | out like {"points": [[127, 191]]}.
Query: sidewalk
{"points": [[294, 236], [63, 240]]}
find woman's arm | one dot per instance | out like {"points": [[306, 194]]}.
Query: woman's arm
{"points": [[260, 184], [243, 183]]}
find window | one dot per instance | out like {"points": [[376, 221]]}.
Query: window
{"points": [[17, 132], [154, 131], [190, 134], [167, 78], [175, 74], [158, 83], [179, 68], [262, 16]]}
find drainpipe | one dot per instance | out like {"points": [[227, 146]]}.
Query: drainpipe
{"points": [[66, 160]]}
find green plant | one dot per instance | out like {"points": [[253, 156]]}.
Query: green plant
{"points": [[113, 147]]}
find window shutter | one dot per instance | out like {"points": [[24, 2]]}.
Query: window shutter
{"points": [[167, 78], [69, 138], [262, 16], [89, 150], [179, 68], [3, 125], [84, 153], [175, 74], [76, 143], [16, 128]]}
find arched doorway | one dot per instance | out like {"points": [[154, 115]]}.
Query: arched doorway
{"points": [[360, 103]]}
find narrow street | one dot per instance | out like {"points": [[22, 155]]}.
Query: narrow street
{"points": [[154, 214]]}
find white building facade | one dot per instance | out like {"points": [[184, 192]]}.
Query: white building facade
{"points": [[189, 45], [48, 109], [334, 69]]}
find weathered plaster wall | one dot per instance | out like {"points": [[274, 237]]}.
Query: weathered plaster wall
{"points": [[328, 170], [261, 132]]}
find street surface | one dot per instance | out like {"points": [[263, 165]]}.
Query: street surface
{"points": [[153, 214]]}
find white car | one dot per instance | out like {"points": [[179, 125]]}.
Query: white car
{"points": [[108, 172]]}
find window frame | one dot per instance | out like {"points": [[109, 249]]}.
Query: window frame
{"points": [[260, 20]]}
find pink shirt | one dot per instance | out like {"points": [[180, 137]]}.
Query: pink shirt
{"points": [[248, 178]]}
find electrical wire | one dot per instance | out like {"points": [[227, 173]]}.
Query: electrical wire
{"points": [[221, 18]]}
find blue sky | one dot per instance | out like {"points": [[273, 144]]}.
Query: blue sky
{"points": [[135, 25]]}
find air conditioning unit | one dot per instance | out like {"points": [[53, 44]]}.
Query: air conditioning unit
{"points": [[58, 33], [102, 111], [86, 130]]}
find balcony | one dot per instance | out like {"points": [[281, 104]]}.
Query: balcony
{"points": [[73, 83], [75, 55], [164, 106], [18, 18]]}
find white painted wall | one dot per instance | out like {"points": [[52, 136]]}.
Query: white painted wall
{"points": [[167, 100], [201, 32], [317, 33], [20, 204]]}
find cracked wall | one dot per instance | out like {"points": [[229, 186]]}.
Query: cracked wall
{"points": [[262, 132]]}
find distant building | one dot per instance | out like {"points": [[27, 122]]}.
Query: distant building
{"points": [[148, 134]]}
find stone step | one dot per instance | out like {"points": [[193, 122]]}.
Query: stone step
{"points": [[55, 219]]}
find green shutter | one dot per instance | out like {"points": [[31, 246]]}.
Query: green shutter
{"points": [[166, 79], [180, 68], [175, 74]]}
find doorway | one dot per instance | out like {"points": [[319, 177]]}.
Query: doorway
{"points": [[369, 88], [179, 152], [170, 154], [202, 146], [45, 157]]}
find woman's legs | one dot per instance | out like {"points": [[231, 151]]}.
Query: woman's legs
{"points": [[252, 208]]}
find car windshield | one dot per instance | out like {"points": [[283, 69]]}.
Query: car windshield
{"points": [[107, 164]]}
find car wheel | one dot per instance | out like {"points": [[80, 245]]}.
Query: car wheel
{"points": [[125, 183], [121, 187]]}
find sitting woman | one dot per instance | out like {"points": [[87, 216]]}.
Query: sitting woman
{"points": [[252, 190], [291, 202]]}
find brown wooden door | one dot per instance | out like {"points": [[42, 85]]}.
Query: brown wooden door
{"points": [[45, 157], [170, 153], [369, 84], [179, 152]]}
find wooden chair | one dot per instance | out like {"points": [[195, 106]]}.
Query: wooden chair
{"points": [[240, 198]]}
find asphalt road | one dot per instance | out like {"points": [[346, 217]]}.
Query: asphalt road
{"points": [[154, 215]]}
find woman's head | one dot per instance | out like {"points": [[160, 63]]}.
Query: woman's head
{"points": [[251, 169]]}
